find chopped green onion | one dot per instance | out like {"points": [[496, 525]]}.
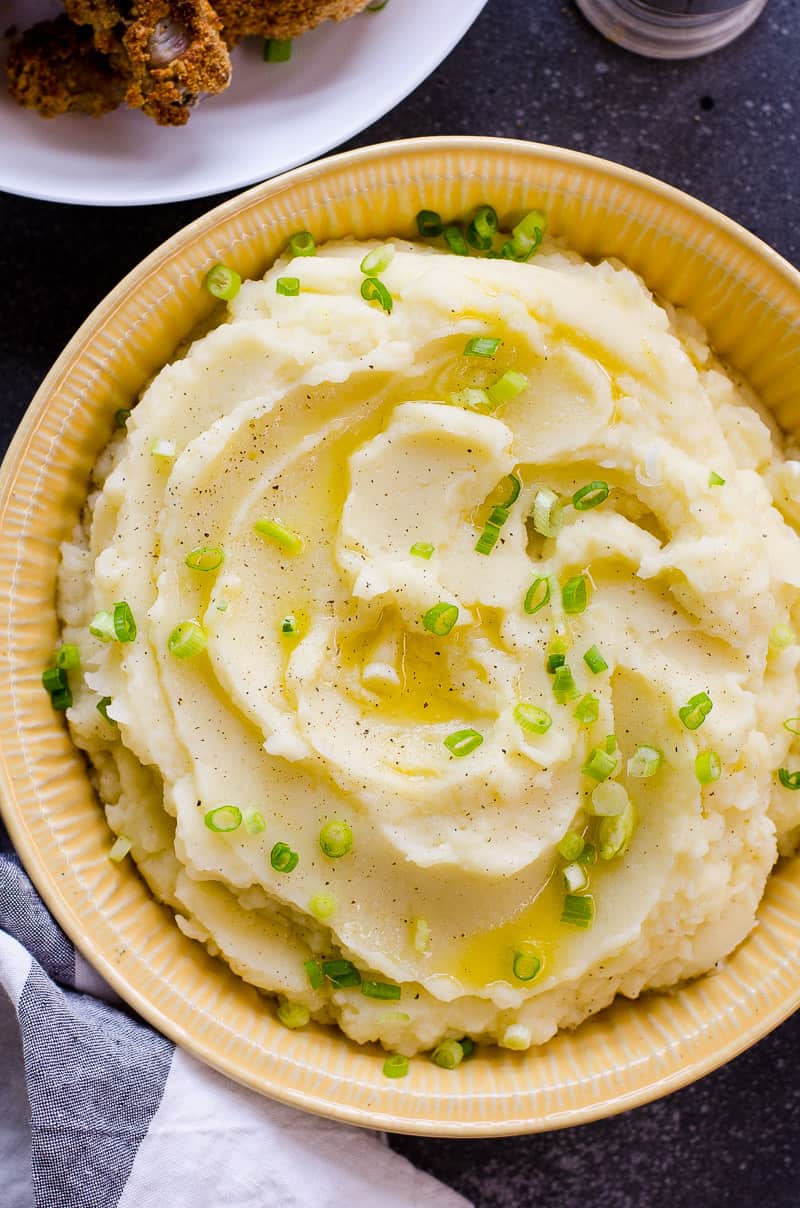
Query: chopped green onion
{"points": [[322, 905], [61, 700], [422, 549], [119, 849], [537, 595], [789, 780], [571, 846], [277, 50], [714, 480], [378, 260], [341, 973], [121, 417], [532, 718], [373, 989], [574, 595], [516, 1036], [578, 910], [221, 606], [254, 823], [223, 282], [54, 679], [429, 224], [283, 859], [102, 626], [695, 711], [600, 764], [316, 977], [611, 743], [615, 832], [644, 762], [590, 496], [554, 661], [481, 230], [124, 624], [421, 935], [526, 965], [376, 6], [287, 287], [302, 244], [482, 346], [488, 538], [290, 541], [463, 742], [588, 855], [473, 398], [514, 488], [595, 661], [564, 687], [609, 799], [792, 724], [373, 290], [448, 1054], [707, 767], [575, 877], [102, 709], [507, 387], [587, 709], [782, 636], [187, 640], [289, 626], [468, 1045], [395, 1066], [454, 238], [548, 512], [68, 657], [527, 235], [205, 558], [440, 619], [336, 838], [223, 819], [293, 1015]]}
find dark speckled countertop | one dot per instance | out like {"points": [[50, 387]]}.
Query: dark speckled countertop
{"points": [[724, 128]]}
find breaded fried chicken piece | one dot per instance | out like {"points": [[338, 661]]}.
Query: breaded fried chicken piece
{"points": [[55, 68], [169, 53], [280, 18]]}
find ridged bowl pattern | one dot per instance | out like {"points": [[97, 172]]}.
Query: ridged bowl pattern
{"points": [[749, 300]]}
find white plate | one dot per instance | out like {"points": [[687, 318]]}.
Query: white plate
{"points": [[273, 116]]}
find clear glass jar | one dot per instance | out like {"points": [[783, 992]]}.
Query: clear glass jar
{"points": [[671, 29]]}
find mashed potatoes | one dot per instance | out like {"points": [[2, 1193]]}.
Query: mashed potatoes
{"points": [[417, 788]]}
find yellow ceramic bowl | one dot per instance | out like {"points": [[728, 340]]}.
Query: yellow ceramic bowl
{"points": [[748, 298]]}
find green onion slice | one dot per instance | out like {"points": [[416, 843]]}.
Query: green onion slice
{"points": [[302, 244], [223, 819], [205, 558], [378, 260], [373, 989], [429, 224], [715, 480], [564, 687], [587, 709], [373, 290], [507, 387], [526, 965], [121, 417], [293, 1015], [707, 767], [290, 541], [473, 398], [316, 977], [574, 595], [336, 838], [54, 679], [289, 626], [548, 512], [277, 50], [528, 234], [322, 905], [537, 595], [589, 854], [102, 709], [283, 859], [600, 764], [571, 846], [463, 742], [61, 700], [422, 549], [288, 287], [578, 910], [514, 488], [488, 538], [590, 496], [454, 238], [223, 282], [68, 657], [644, 762], [102, 626], [124, 624], [341, 973], [595, 661], [789, 780], [187, 640], [695, 711], [792, 724], [615, 833], [395, 1066], [554, 661], [532, 718], [440, 619], [609, 799], [254, 823], [575, 877], [448, 1054], [119, 849], [482, 346]]}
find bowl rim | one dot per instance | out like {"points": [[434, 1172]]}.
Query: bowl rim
{"points": [[761, 1023]]}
